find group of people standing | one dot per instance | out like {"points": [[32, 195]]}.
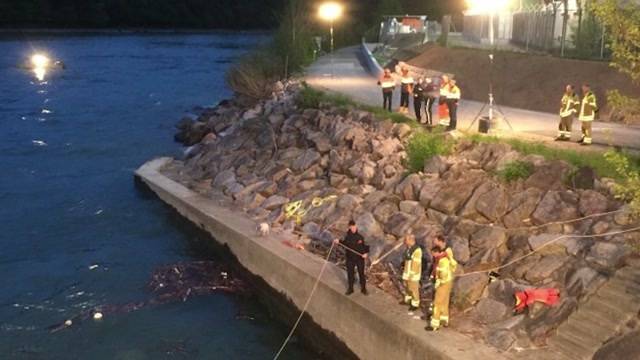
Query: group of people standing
{"points": [[440, 273], [425, 91], [586, 109]]}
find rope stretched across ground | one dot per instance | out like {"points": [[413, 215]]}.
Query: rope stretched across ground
{"points": [[306, 304]]}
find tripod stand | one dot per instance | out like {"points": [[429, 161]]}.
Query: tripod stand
{"points": [[493, 107]]}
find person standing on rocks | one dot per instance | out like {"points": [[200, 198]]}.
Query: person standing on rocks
{"points": [[588, 109], [388, 85], [356, 252], [568, 108], [405, 90], [445, 269], [412, 273]]}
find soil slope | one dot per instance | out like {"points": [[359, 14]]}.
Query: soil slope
{"points": [[532, 82]]}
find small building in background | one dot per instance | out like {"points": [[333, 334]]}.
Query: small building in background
{"points": [[411, 28]]}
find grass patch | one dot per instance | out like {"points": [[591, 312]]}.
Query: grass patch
{"points": [[592, 159], [422, 146], [516, 170], [310, 98]]}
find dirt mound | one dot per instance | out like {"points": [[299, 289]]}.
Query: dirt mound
{"points": [[525, 81]]}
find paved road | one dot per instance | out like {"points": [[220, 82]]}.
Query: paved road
{"points": [[345, 73]]}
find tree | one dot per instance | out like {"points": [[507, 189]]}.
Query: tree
{"points": [[389, 7], [621, 19]]}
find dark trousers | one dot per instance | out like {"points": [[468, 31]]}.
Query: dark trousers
{"points": [[417, 108], [453, 113], [404, 99], [428, 104], [351, 267], [386, 100]]}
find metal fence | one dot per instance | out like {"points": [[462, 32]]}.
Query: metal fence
{"points": [[534, 30]]}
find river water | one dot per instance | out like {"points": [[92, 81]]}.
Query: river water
{"points": [[68, 147]]}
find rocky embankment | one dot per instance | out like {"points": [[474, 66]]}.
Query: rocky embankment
{"points": [[262, 157]]}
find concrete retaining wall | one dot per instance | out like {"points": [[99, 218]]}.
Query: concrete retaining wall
{"points": [[373, 327], [372, 64]]}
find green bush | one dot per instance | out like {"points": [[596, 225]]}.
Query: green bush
{"points": [[627, 188], [310, 98], [516, 170], [423, 146], [253, 75]]}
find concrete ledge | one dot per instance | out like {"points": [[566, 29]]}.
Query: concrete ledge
{"points": [[373, 327]]}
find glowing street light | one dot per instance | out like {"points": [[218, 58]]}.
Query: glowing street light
{"points": [[330, 11]]}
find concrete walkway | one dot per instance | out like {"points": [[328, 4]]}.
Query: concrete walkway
{"points": [[344, 72]]}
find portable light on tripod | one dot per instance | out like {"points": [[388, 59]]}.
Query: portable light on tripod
{"points": [[491, 8]]}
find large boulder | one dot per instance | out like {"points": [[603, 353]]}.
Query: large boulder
{"points": [[592, 202], [399, 223], [607, 255], [435, 165], [224, 178], [349, 202], [306, 160], [490, 311], [384, 211], [545, 268], [452, 197], [547, 244], [549, 176], [409, 188], [556, 206], [493, 203], [369, 227], [430, 188], [521, 206], [468, 289], [489, 237], [460, 248], [386, 147]]}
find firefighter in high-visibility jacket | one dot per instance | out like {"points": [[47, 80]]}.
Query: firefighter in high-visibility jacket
{"points": [[588, 109], [568, 108], [444, 273], [412, 272]]}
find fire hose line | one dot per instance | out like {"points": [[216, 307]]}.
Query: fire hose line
{"points": [[306, 305], [547, 244]]}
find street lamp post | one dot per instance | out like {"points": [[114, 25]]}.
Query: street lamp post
{"points": [[330, 11]]}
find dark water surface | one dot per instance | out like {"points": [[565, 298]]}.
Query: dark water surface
{"points": [[71, 203]]}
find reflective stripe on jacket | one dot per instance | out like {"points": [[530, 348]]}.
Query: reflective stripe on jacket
{"points": [[588, 107], [569, 105], [454, 93], [413, 264], [407, 84]]}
